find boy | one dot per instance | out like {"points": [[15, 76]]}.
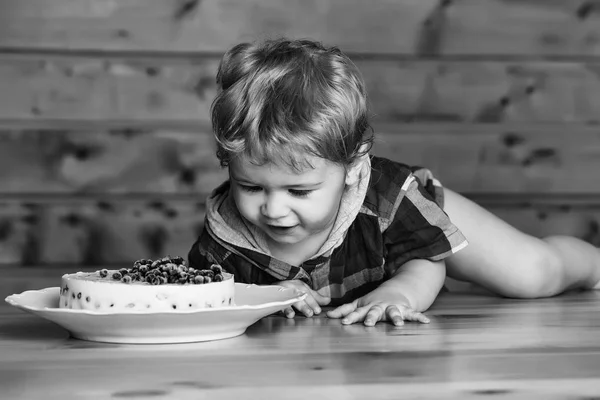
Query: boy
{"points": [[306, 206]]}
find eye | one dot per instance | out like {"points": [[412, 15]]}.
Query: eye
{"points": [[251, 189], [300, 193]]}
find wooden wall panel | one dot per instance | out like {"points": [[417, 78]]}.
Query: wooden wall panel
{"points": [[181, 89], [85, 232], [106, 154], [501, 159], [107, 161], [421, 27], [475, 159], [96, 232], [63, 88]]}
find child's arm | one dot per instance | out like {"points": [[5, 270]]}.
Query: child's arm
{"points": [[411, 290]]}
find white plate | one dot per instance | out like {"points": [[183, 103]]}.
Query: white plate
{"points": [[253, 302]]}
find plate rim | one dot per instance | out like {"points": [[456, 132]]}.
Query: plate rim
{"points": [[297, 296]]}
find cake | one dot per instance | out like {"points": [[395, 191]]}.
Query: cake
{"points": [[162, 285]]}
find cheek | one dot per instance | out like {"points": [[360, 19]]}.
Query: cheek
{"points": [[323, 209], [245, 204]]}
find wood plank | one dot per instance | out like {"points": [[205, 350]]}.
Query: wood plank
{"points": [[476, 159], [36, 87], [476, 347], [92, 233], [71, 87], [84, 232], [208, 25], [416, 27], [108, 161], [473, 159]]}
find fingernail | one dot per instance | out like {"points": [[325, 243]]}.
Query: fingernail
{"points": [[317, 310]]}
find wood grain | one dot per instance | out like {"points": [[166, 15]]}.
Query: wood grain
{"points": [[92, 233], [71, 87], [108, 161], [181, 89], [473, 159], [114, 195], [80, 231], [416, 27], [105, 146], [475, 347]]}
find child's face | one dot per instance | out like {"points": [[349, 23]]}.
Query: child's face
{"points": [[288, 206]]}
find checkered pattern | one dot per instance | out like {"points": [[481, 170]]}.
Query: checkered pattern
{"points": [[401, 219]]}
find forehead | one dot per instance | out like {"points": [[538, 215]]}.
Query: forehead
{"points": [[313, 170]]}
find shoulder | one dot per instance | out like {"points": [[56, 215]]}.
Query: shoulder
{"points": [[206, 251], [384, 168], [386, 187]]}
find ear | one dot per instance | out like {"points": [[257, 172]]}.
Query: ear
{"points": [[353, 170]]}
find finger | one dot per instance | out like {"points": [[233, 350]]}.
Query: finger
{"points": [[321, 300], [394, 315], [342, 310], [304, 308], [411, 315], [312, 304], [374, 314], [357, 315], [289, 312]]}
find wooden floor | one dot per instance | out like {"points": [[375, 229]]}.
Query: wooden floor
{"points": [[475, 347]]}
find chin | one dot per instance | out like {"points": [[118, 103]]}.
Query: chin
{"points": [[286, 241]]}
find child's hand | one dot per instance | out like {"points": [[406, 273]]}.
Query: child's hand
{"points": [[311, 303], [379, 305]]}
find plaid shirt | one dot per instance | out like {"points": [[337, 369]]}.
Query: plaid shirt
{"points": [[400, 219]]}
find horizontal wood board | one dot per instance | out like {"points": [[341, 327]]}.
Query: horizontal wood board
{"points": [[415, 27], [177, 89]]}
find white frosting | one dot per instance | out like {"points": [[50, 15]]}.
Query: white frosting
{"points": [[88, 291]]}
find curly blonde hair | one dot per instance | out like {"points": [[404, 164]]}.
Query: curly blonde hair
{"points": [[281, 100]]}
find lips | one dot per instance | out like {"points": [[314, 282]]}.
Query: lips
{"points": [[280, 228], [273, 224]]}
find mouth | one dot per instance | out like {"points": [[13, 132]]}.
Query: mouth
{"points": [[279, 229]]}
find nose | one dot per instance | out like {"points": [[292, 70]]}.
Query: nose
{"points": [[274, 206]]}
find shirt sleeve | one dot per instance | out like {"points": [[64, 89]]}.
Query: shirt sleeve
{"points": [[419, 229]]}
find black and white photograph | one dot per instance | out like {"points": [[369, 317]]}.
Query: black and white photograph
{"points": [[299, 199]]}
